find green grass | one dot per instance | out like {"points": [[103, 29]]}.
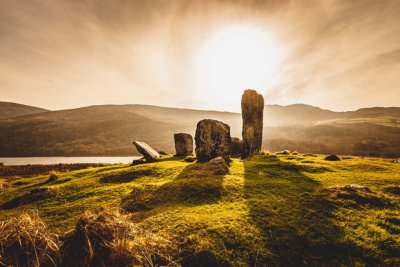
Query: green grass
{"points": [[270, 210]]}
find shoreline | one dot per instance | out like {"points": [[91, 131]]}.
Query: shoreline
{"points": [[39, 169]]}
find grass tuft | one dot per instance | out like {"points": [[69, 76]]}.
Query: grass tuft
{"points": [[111, 239], [26, 241]]}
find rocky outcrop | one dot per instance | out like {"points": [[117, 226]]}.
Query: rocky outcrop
{"points": [[213, 139], [252, 115], [236, 147], [148, 153], [183, 144]]}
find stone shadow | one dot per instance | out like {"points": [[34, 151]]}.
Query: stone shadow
{"points": [[193, 186], [128, 176], [294, 216]]}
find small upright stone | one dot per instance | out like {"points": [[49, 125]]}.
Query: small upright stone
{"points": [[213, 139], [183, 144], [148, 153], [252, 115], [236, 147]]}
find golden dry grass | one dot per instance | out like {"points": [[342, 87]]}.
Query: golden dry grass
{"points": [[26, 241]]}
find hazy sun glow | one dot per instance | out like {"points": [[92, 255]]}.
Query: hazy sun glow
{"points": [[233, 59]]}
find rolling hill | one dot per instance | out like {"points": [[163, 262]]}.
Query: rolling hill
{"points": [[108, 130], [9, 110]]}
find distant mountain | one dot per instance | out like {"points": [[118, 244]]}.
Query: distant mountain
{"points": [[108, 130], [297, 114], [9, 110]]}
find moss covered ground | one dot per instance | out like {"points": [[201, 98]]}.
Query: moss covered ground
{"points": [[272, 210]]}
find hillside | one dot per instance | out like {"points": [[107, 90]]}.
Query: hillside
{"points": [[272, 210], [110, 129], [10, 110]]}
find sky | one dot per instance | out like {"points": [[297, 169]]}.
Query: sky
{"points": [[335, 54]]}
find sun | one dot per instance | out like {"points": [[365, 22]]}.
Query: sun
{"points": [[233, 59]]}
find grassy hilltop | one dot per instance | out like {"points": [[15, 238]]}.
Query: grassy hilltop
{"points": [[284, 210]]}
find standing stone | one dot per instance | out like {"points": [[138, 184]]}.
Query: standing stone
{"points": [[236, 147], [183, 144], [213, 139], [148, 153], [252, 114]]}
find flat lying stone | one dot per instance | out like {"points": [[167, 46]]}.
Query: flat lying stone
{"points": [[148, 153]]}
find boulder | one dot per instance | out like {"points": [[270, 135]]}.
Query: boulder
{"points": [[252, 115], [148, 153], [236, 147], [332, 158], [213, 139], [183, 144], [217, 166]]}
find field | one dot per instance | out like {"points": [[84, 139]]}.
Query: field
{"points": [[286, 210]]}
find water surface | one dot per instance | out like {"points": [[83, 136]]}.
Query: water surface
{"points": [[65, 160]]}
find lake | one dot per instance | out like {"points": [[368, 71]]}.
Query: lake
{"points": [[65, 160]]}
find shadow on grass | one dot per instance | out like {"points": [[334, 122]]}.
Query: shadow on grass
{"points": [[293, 215], [35, 195], [193, 186], [128, 176]]}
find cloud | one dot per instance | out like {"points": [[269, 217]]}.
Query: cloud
{"points": [[59, 54]]}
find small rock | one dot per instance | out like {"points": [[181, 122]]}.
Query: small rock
{"points": [[284, 152], [190, 159], [332, 158], [149, 153], [138, 161], [309, 155], [162, 152], [217, 166], [236, 147], [183, 144], [395, 161]]}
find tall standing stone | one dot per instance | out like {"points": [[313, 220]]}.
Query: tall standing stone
{"points": [[252, 115], [183, 144], [213, 139]]}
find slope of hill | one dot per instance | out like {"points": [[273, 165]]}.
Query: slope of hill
{"points": [[110, 129], [297, 114], [272, 210], [99, 130], [9, 110]]}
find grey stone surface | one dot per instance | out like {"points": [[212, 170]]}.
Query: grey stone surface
{"points": [[183, 144], [213, 139], [252, 115], [148, 153]]}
